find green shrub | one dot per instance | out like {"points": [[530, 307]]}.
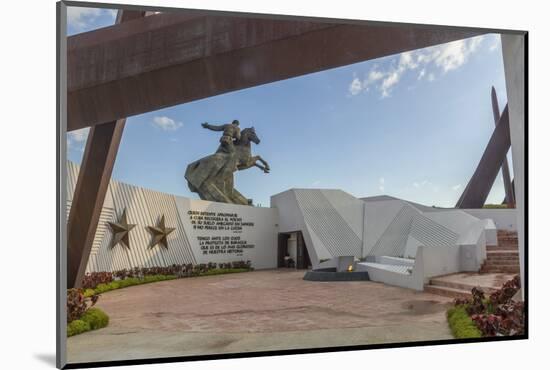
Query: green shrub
{"points": [[495, 206], [96, 318], [118, 284], [130, 281], [154, 278], [92, 279], [76, 327], [219, 271], [461, 324], [76, 304], [92, 319]]}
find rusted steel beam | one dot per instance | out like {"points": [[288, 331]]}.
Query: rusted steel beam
{"points": [[91, 187], [478, 188], [89, 194], [508, 190], [172, 58]]}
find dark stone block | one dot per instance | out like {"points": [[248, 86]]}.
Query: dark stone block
{"points": [[324, 275]]}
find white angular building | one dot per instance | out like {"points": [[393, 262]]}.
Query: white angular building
{"points": [[397, 242]]}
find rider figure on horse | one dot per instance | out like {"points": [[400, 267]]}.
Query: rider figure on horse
{"points": [[231, 132]]}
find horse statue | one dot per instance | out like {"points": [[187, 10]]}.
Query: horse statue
{"points": [[212, 176]]}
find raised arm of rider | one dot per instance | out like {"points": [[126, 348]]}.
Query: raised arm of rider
{"points": [[213, 127]]}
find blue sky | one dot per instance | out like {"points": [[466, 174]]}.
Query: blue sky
{"points": [[412, 125]]}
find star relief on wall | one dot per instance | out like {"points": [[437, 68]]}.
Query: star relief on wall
{"points": [[160, 233], [121, 229]]}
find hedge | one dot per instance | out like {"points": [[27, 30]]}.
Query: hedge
{"points": [[219, 271], [117, 284], [92, 319], [461, 324]]}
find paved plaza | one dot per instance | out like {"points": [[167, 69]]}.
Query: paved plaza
{"points": [[256, 311]]}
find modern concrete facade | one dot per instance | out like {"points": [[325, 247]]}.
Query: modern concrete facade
{"points": [[398, 242], [204, 231], [514, 55]]}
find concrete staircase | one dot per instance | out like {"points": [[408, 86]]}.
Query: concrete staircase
{"points": [[452, 289], [501, 259], [504, 257]]}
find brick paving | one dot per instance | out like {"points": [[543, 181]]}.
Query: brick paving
{"points": [[256, 311]]}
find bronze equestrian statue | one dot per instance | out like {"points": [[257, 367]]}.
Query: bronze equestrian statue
{"points": [[212, 176]]}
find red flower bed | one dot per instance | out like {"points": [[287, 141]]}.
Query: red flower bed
{"points": [[498, 315], [93, 279]]}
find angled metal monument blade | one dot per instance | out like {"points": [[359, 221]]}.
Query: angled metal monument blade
{"points": [[508, 187]]}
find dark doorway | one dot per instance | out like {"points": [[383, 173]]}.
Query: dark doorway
{"points": [[302, 259], [298, 257], [282, 249]]}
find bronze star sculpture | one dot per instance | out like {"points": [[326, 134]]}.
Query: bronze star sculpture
{"points": [[160, 234], [121, 230]]}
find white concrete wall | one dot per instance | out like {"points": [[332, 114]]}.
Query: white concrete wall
{"points": [[378, 215], [330, 229], [513, 51], [504, 219], [253, 237], [391, 227], [439, 261], [293, 219], [258, 241]]}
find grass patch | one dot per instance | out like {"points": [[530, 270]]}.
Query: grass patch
{"points": [[92, 319], [461, 324], [495, 206], [118, 284], [76, 327]]}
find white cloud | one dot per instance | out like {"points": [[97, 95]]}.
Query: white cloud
{"points": [[456, 187], [355, 87], [421, 74], [77, 138], [166, 123], [406, 60], [80, 18], [374, 76], [389, 82], [441, 58]]}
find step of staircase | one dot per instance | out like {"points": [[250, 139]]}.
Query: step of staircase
{"points": [[453, 289], [455, 285], [504, 247], [446, 291], [503, 253], [499, 269], [498, 259], [503, 258], [507, 233], [501, 262]]}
